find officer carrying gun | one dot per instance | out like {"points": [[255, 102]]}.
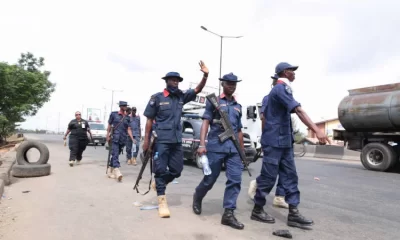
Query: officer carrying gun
{"points": [[120, 123], [166, 109], [219, 152]]}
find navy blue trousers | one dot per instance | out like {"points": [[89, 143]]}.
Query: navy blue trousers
{"points": [[278, 161], [168, 166], [234, 168]]}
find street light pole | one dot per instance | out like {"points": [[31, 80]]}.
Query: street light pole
{"points": [[220, 54], [112, 95]]}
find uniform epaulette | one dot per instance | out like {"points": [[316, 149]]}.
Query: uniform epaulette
{"points": [[156, 94]]}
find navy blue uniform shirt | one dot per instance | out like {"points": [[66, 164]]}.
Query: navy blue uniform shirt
{"points": [[278, 127], [120, 132], [234, 111], [166, 109], [135, 125]]}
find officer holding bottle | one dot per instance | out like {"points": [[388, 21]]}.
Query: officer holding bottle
{"points": [[222, 152]]}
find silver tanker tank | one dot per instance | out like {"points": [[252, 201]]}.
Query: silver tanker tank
{"points": [[371, 109]]}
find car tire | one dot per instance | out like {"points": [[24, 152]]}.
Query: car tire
{"points": [[103, 144], [24, 171], [22, 158], [198, 161]]}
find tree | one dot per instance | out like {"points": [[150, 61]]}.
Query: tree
{"points": [[24, 90], [298, 136]]}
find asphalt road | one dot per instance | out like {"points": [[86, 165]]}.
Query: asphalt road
{"points": [[347, 202]]}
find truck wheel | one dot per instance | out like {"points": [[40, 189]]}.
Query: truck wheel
{"points": [[378, 157]]}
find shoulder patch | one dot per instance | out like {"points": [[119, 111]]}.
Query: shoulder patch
{"points": [[152, 100], [288, 89]]}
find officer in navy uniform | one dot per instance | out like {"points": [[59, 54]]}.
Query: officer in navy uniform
{"points": [[279, 199], [78, 139], [222, 152], [277, 141], [136, 133], [166, 109], [121, 124]]}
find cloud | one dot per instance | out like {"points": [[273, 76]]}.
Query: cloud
{"points": [[129, 45]]}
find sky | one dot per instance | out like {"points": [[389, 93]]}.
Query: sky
{"points": [[90, 46]]}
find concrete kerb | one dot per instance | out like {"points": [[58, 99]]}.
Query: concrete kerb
{"points": [[329, 152], [8, 160]]}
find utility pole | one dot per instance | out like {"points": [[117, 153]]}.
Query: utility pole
{"points": [[220, 53], [104, 113], [112, 95], [58, 131]]}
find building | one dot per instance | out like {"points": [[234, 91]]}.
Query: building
{"points": [[327, 126]]}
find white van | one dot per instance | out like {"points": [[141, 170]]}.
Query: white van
{"points": [[99, 132]]}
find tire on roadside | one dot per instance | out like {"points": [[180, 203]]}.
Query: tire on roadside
{"points": [[33, 170], [22, 158]]}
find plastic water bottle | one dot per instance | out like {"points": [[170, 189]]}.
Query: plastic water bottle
{"points": [[206, 166], [156, 156], [133, 147]]}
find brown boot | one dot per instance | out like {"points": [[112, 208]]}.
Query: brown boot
{"points": [[134, 161], [118, 174], [110, 172], [163, 210], [129, 162]]}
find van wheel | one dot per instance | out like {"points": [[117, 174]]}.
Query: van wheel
{"points": [[103, 144], [198, 161], [378, 157]]}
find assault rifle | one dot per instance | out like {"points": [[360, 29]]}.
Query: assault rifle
{"points": [[229, 133], [145, 157], [110, 148]]}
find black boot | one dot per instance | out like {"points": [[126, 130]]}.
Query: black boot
{"points": [[258, 214], [196, 204], [229, 219], [295, 219]]}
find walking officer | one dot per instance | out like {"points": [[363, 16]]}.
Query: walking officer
{"points": [[166, 109], [277, 141], [279, 199], [120, 124], [136, 133], [222, 152], [78, 139]]}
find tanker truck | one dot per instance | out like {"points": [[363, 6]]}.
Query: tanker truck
{"points": [[371, 120]]}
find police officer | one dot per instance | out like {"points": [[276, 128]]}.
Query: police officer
{"points": [[219, 152], [279, 199], [277, 141], [78, 140], [166, 109], [120, 122], [136, 133]]}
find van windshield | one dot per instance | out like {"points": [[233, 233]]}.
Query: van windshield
{"points": [[97, 126]]}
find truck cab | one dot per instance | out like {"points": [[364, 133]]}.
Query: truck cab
{"points": [[99, 132]]}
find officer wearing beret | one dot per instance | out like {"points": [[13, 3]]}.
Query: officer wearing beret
{"points": [[277, 141], [136, 133], [279, 199], [166, 109], [120, 122], [219, 152]]}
